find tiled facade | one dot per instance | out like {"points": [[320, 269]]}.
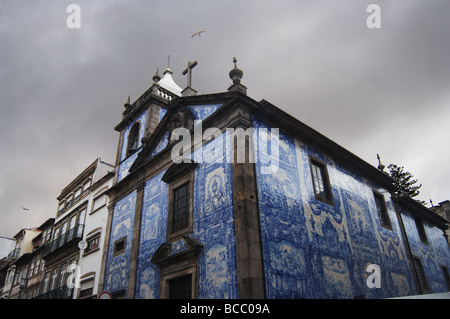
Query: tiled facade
{"points": [[303, 235]]}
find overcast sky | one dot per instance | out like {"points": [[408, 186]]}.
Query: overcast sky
{"points": [[372, 91]]}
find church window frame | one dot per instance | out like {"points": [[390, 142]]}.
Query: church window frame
{"points": [[185, 266], [173, 287], [421, 230], [119, 246], [320, 180], [421, 276], [186, 182], [383, 214], [133, 138]]}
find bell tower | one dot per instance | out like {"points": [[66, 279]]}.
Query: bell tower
{"points": [[140, 119]]}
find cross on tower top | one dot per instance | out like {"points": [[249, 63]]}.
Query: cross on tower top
{"points": [[188, 70], [189, 90]]}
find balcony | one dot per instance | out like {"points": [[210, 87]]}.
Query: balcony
{"points": [[72, 235], [14, 254], [63, 292]]}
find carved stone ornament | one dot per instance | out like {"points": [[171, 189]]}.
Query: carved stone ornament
{"points": [[168, 254], [181, 117]]}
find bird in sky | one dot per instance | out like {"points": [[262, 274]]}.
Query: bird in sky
{"points": [[197, 33], [25, 208]]}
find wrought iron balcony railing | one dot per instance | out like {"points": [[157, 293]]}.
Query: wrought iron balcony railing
{"points": [[63, 292], [73, 234]]}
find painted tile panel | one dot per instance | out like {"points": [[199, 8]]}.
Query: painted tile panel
{"points": [[153, 234], [432, 255], [118, 267], [125, 166], [201, 112], [161, 145], [328, 245], [213, 227]]}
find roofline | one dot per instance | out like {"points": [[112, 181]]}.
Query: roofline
{"points": [[79, 179], [414, 207], [354, 162], [25, 229], [140, 105], [320, 141]]}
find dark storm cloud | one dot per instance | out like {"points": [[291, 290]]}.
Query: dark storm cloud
{"points": [[62, 90]]}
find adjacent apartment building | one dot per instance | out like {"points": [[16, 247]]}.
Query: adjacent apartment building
{"points": [[15, 267], [61, 258], [73, 255]]}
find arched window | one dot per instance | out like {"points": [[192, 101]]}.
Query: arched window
{"points": [[133, 139]]}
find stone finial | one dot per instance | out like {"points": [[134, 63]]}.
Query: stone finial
{"points": [[127, 103], [236, 74], [156, 77]]}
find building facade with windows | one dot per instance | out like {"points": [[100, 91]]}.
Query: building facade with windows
{"points": [[15, 267], [94, 235], [64, 255], [32, 279], [222, 196]]}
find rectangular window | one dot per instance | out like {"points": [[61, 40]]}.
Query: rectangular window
{"points": [[86, 292], [181, 288], [421, 230], [72, 221], [86, 186], [320, 180], [446, 276], [56, 233], [92, 244], [119, 246], [77, 195], [38, 264], [181, 200], [69, 201], [180, 209], [53, 279], [99, 202], [81, 216], [46, 282], [62, 275], [61, 207], [64, 228], [382, 210], [32, 267], [423, 283]]}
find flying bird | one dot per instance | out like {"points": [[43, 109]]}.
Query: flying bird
{"points": [[197, 33], [25, 208]]}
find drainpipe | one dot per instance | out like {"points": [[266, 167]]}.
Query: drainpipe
{"points": [[406, 241]]}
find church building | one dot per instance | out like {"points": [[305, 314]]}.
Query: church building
{"points": [[221, 196]]}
